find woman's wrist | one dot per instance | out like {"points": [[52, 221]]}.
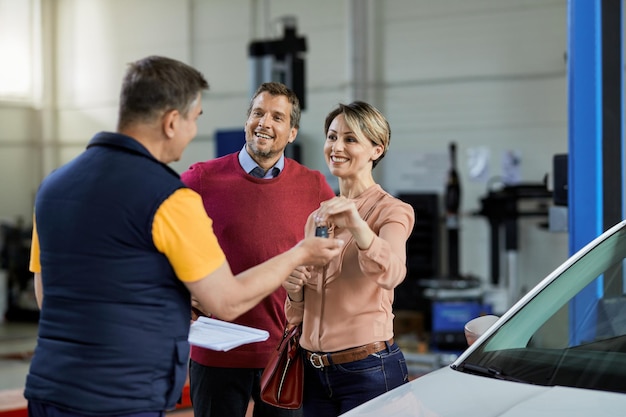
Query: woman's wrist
{"points": [[364, 237]]}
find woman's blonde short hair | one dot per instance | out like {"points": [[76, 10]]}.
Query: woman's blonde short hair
{"points": [[366, 121]]}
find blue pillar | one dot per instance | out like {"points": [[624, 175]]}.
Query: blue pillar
{"points": [[596, 144], [585, 138], [585, 122]]}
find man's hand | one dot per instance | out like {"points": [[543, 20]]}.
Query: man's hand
{"points": [[319, 250]]}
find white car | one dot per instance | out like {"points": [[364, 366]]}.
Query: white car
{"points": [[559, 351]]}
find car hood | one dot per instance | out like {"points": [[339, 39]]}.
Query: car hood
{"points": [[449, 393]]}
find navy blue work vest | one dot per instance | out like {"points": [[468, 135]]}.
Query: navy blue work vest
{"points": [[115, 318]]}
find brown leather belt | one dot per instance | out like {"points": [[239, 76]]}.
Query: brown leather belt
{"points": [[320, 360]]}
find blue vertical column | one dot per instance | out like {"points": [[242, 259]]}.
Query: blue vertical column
{"points": [[585, 139]]}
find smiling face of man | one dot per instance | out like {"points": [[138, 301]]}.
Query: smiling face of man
{"points": [[268, 128]]}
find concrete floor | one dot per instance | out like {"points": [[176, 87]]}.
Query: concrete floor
{"points": [[17, 341]]}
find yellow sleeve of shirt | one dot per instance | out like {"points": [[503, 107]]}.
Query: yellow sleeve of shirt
{"points": [[35, 264], [183, 232]]}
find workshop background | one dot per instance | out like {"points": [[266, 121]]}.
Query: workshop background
{"points": [[488, 76]]}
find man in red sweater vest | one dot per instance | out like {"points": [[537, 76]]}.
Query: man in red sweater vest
{"points": [[259, 201]]}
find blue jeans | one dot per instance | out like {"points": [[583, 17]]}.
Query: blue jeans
{"points": [[226, 392], [38, 409], [335, 389]]}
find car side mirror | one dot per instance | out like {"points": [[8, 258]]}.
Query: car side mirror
{"points": [[476, 327]]}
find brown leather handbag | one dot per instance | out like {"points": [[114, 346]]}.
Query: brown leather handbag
{"points": [[283, 378]]}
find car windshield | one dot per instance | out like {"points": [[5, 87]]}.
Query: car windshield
{"points": [[572, 333]]}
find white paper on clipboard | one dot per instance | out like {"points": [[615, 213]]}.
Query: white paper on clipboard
{"points": [[221, 335]]}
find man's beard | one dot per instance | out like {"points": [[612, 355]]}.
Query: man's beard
{"points": [[262, 154]]}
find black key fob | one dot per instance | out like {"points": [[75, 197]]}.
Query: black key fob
{"points": [[321, 231]]}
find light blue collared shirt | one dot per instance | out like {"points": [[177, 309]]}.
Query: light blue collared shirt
{"points": [[248, 164]]}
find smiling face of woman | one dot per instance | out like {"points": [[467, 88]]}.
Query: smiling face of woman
{"points": [[347, 151]]}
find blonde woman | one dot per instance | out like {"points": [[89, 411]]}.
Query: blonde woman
{"points": [[346, 307]]}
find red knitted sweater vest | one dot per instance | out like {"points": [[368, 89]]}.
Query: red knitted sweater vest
{"points": [[255, 219]]}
